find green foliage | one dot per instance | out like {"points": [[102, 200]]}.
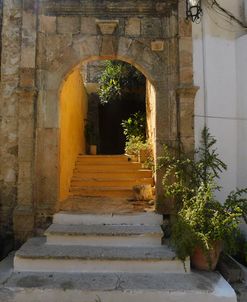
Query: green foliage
{"points": [[201, 219], [116, 78], [135, 126], [134, 145]]}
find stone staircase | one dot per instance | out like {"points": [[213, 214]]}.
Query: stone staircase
{"points": [[109, 257], [106, 258], [100, 244], [111, 176]]}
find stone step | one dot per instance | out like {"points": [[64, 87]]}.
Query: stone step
{"points": [[102, 191], [120, 287], [120, 164], [109, 168], [148, 219], [101, 182], [116, 174], [37, 256], [104, 235], [103, 158]]}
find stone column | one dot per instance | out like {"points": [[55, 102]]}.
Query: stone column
{"points": [[10, 63], [24, 212], [186, 90]]}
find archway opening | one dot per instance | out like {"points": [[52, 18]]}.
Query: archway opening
{"points": [[116, 104], [115, 116]]}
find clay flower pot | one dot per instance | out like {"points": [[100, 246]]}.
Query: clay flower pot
{"points": [[206, 262], [93, 149]]}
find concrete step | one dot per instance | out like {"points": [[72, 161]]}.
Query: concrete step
{"points": [[102, 191], [111, 182], [104, 235], [113, 174], [147, 219], [124, 287], [37, 256]]}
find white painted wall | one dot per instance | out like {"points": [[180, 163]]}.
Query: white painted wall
{"points": [[221, 74]]}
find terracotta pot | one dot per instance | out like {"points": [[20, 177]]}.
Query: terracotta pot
{"points": [[93, 149], [206, 262]]}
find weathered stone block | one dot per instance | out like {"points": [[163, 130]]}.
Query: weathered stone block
{"points": [[151, 27], [68, 24], [26, 110], [9, 175], [28, 57], [53, 46], [25, 171], [27, 77], [108, 47], [88, 26], [28, 5], [25, 150], [50, 109], [47, 24], [157, 45], [186, 75], [25, 128], [47, 166], [107, 27], [133, 27], [23, 223], [25, 192], [28, 22], [185, 59], [185, 28]]}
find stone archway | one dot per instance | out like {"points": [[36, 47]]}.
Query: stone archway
{"points": [[147, 62], [151, 35]]}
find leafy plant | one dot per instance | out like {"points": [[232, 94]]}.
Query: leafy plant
{"points": [[201, 220], [135, 126], [116, 78], [134, 145]]}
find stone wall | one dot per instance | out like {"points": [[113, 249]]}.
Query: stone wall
{"points": [[44, 41], [10, 67]]}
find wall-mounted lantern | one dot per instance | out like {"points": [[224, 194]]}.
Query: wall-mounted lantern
{"points": [[193, 10]]}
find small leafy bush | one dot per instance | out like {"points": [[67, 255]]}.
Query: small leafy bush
{"points": [[201, 220], [134, 145], [135, 126]]}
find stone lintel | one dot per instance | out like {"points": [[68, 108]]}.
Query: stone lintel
{"points": [[107, 27], [187, 91], [108, 8]]}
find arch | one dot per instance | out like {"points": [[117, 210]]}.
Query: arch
{"points": [[86, 49]]}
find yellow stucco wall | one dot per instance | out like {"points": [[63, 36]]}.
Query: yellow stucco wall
{"points": [[151, 111], [73, 111]]}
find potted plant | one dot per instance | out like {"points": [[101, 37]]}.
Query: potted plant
{"points": [[202, 226], [91, 138]]}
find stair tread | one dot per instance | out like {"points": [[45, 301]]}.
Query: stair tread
{"points": [[107, 282], [66, 217], [103, 156], [77, 178], [103, 230], [35, 248], [95, 188]]}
